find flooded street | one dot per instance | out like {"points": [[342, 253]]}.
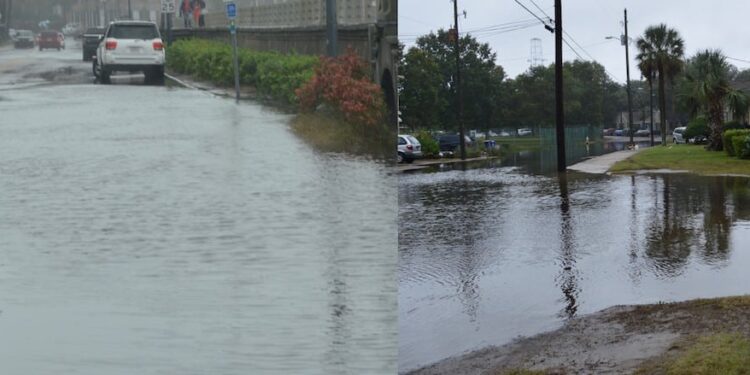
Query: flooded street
{"points": [[493, 253], [160, 230]]}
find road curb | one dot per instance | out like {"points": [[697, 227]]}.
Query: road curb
{"points": [[180, 82]]}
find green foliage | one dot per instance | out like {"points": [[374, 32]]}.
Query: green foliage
{"points": [[729, 136], [696, 127], [273, 74], [706, 89], [428, 95], [725, 354], [743, 149], [684, 158], [660, 50], [732, 125], [430, 146]]}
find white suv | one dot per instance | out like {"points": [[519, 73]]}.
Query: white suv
{"points": [[130, 46]]}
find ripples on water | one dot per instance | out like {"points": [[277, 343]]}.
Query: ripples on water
{"points": [[488, 254], [168, 231]]}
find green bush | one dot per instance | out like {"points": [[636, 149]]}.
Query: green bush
{"points": [[430, 146], [696, 127], [733, 125], [273, 74], [742, 147], [729, 136]]}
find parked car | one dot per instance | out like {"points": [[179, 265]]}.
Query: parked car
{"points": [[524, 132], [51, 39], [130, 46], [677, 135], [450, 142], [24, 39], [73, 29], [91, 39], [642, 133], [409, 148]]}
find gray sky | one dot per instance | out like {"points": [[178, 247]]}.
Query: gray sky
{"points": [[703, 24]]}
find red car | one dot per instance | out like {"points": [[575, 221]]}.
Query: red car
{"points": [[51, 39]]}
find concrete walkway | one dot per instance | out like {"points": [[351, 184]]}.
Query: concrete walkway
{"points": [[602, 164]]}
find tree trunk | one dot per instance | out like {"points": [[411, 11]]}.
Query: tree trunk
{"points": [[662, 106], [716, 117]]}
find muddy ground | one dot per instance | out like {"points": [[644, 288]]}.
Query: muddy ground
{"points": [[618, 340]]}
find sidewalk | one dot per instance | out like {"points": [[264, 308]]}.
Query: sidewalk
{"points": [[602, 164], [246, 92]]}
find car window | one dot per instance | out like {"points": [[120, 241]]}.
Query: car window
{"points": [[49, 34], [401, 141], [413, 140], [25, 33], [133, 32]]}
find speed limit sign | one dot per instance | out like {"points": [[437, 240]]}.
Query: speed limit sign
{"points": [[168, 6]]}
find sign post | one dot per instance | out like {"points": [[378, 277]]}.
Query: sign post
{"points": [[168, 7], [232, 15]]}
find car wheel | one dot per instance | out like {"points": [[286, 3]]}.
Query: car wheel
{"points": [[40, 48], [58, 49], [400, 158], [409, 161], [156, 76], [105, 76]]}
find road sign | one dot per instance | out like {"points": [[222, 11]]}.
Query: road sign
{"points": [[168, 6], [231, 11]]}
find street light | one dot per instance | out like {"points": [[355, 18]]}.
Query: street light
{"points": [[624, 40]]}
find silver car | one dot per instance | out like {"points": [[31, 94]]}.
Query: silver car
{"points": [[409, 148], [678, 135]]}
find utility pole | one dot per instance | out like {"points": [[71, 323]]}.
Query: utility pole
{"points": [[130, 11], [462, 132], [626, 42], [332, 28], [559, 109]]}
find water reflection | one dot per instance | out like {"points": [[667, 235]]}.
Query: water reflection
{"points": [[567, 279], [488, 254]]}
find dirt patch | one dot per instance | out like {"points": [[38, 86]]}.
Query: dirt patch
{"points": [[618, 340]]}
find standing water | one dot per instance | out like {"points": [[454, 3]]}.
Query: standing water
{"points": [[487, 255], [146, 230]]}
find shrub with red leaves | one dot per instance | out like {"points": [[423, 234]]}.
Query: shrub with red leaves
{"points": [[344, 84]]}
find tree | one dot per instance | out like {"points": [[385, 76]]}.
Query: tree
{"points": [[661, 49], [481, 82], [706, 89], [420, 92]]}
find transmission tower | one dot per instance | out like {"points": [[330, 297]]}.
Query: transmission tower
{"points": [[536, 57]]}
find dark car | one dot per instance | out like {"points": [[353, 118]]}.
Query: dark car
{"points": [[91, 39], [450, 143], [51, 39], [23, 39]]}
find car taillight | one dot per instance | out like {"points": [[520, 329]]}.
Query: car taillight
{"points": [[408, 147], [158, 45], [110, 44]]}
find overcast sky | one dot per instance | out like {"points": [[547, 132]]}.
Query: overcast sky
{"points": [[703, 24]]}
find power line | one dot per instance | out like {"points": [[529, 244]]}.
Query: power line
{"points": [[532, 13], [740, 60], [540, 9]]}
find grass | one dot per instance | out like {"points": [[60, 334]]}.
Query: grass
{"points": [[328, 133], [725, 354], [695, 159]]}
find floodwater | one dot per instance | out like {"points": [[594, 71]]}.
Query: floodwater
{"points": [[493, 253], [154, 230]]}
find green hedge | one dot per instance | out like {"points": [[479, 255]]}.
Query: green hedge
{"points": [[696, 127], [273, 74], [729, 144], [430, 147]]}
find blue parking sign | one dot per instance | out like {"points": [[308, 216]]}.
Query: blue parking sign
{"points": [[231, 11]]}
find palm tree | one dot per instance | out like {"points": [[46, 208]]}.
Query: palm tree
{"points": [[661, 49], [707, 90]]}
